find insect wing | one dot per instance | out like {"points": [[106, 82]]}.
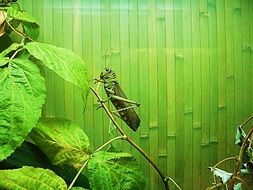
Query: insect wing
{"points": [[127, 113]]}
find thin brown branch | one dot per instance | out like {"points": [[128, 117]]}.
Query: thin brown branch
{"points": [[177, 186], [239, 159], [87, 160], [216, 186], [137, 147], [109, 142], [107, 111], [243, 182], [78, 173], [246, 121], [15, 53], [19, 32], [224, 160]]}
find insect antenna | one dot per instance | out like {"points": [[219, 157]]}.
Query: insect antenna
{"points": [[107, 57]]}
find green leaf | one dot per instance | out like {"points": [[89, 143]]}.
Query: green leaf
{"points": [[29, 154], [30, 25], [14, 23], [31, 178], [31, 29], [77, 188], [14, 12], [22, 94], [65, 63], [62, 141], [115, 171]]}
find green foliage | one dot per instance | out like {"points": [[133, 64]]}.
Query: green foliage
{"points": [[30, 178], [64, 147], [244, 161], [29, 154], [26, 155], [77, 188], [22, 88], [69, 66], [65, 143], [29, 24], [248, 151], [114, 171], [14, 12], [62, 141], [22, 94]]}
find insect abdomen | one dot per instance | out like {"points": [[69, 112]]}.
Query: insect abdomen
{"points": [[127, 113]]}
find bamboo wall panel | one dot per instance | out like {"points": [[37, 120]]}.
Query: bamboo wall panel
{"points": [[188, 62]]}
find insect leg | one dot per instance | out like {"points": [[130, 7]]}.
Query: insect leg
{"points": [[102, 101], [124, 100], [126, 108]]}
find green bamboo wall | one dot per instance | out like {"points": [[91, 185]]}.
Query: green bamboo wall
{"points": [[188, 62]]}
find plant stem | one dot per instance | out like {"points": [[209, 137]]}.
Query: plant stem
{"points": [[109, 142], [224, 160], [216, 165], [174, 183], [78, 173], [137, 147], [108, 112], [242, 181], [15, 53], [85, 163], [216, 186], [19, 32], [246, 121], [239, 158]]}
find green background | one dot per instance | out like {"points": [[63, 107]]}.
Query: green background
{"points": [[188, 62]]}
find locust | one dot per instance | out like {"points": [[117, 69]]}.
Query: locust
{"points": [[123, 105]]}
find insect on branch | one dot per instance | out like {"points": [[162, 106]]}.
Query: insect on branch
{"points": [[164, 178]]}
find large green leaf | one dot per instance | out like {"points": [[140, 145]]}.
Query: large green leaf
{"points": [[31, 29], [14, 12], [30, 25], [22, 94], [29, 154], [30, 178], [64, 62], [115, 171], [62, 141]]}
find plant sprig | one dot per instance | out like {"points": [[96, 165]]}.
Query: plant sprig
{"points": [[164, 178], [236, 176], [21, 34], [86, 162]]}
